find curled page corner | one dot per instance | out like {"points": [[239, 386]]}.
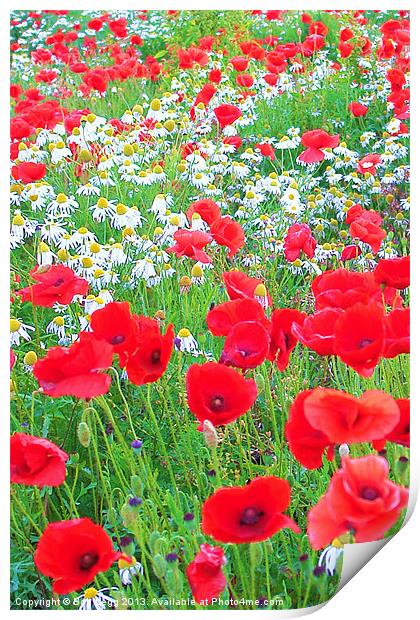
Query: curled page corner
{"points": [[357, 555]]}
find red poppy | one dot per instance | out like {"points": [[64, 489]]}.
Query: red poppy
{"points": [[227, 114], [215, 75], [151, 353], [218, 393], [205, 574], [29, 172], [208, 210], [367, 232], [115, 324], [350, 252], [397, 332], [229, 233], [266, 150], [360, 499], [250, 513], [191, 243], [344, 418], [245, 80], [299, 239], [368, 163], [239, 63], [306, 443], [358, 109], [240, 286], [55, 284], [282, 340], [36, 461], [341, 288], [317, 332], [360, 337], [315, 141], [400, 434], [394, 272], [222, 318], [246, 346], [73, 552], [75, 371]]}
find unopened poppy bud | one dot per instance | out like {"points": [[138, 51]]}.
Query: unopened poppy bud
{"points": [[173, 579], [343, 450], [257, 554], [401, 465], [83, 434], [129, 515], [30, 358], [136, 485], [210, 434], [260, 381], [159, 566]]}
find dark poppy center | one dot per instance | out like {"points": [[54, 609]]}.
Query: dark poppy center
{"points": [[59, 282], [217, 403], [118, 339], [88, 560], [369, 493], [155, 356], [250, 516], [365, 343]]}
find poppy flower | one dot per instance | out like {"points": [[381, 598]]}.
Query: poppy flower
{"points": [[73, 552], [306, 443], [344, 418], [36, 461], [55, 284], [191, 243], [229, 233], [368, 163], [360, 499], [282, 340], [368, 232], [397, 332], [75, 371], [218, 393], [246, 345], [239, 63], [317, 332], [400, 434], [341, 288], [207, 209], [205, 574], [115, 324], [358, 109], [350, 252], [394, 272], [152, 352], [299, 239], [240, 286], [29, 172], [227, 114], [222, 318], [360, 337], [250, 513], [266, 150], [315, 141]]}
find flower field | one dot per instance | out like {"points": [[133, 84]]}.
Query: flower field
{"points": [[209, 304]]}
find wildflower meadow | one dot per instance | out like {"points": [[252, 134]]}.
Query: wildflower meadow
{"points": [[209, 303]]}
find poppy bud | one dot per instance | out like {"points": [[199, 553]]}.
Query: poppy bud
{"points": [[173, 580], [401, 466], [136, 485], [210, 434], [159, 566], [256, 553], [83, 434], [260, 381], [128, 514]]}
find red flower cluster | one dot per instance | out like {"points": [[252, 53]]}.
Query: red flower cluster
{"points": [[73, 552], [360, 499], [36, 461], [248, 514], [143, 351]]}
